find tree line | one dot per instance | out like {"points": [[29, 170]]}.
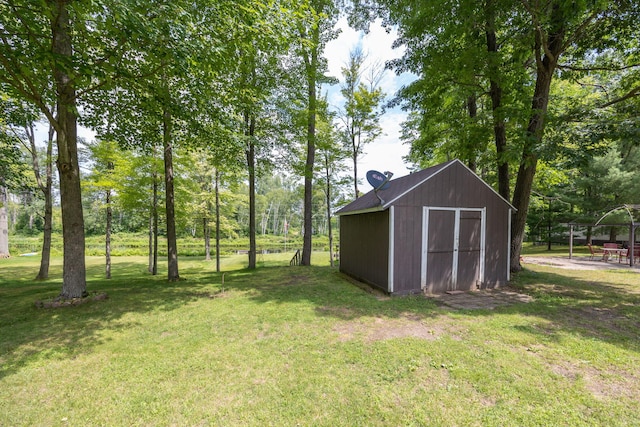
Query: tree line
{"points": [[233, 84], [518, 87], [511, 87]]}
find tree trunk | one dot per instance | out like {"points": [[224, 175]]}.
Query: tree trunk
{"points": [[328, 194], [4, 225], [546, 66], [471, 146], [207, 239], [495, 91], [312, 71], [155, 218], [74, 273], [251, 164], [354, 157], [107, 237], [172, 243], [45, 257], [217, 189], [150, 267]]}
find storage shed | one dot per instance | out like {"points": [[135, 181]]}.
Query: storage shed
{"points": [[437, 230]]}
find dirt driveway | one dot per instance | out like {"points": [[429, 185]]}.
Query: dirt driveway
{"points": [[578, 263]]}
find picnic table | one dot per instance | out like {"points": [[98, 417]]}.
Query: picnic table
{"points": [[609, 249]]}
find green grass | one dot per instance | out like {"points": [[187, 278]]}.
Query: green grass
{"points": [[132, 244], [556, 250], [303, 346]]}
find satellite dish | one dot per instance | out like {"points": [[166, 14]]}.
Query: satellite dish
{"points": [[379, 180]]}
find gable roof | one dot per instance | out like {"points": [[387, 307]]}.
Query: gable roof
{"points": [[371, 202]]}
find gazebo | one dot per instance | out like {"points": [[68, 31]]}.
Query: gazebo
{"points": [[632, 224]]}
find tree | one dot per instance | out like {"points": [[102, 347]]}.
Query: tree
{"points": [[54, 53], [361, 115], [36, 55], [17, 129], [104, 179], [537, 37], [314, 30], [332, 155], [21, 124], [161, 100]]}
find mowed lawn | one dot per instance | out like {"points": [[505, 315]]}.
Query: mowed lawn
{"points": [[288, 346]]}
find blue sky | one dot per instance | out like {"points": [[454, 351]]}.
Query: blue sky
{"points": [[384, 154]]}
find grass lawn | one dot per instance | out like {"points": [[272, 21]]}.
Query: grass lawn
{"points": [[288, 346]]}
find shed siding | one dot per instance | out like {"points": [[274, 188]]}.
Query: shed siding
{"points": [[364, 247], [365, 238], [407, 249], [454, 186]]}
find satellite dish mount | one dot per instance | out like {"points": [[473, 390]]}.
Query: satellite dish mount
{"points": [[379, 181]]}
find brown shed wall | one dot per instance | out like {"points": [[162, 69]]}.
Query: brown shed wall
{"points": [[455, 186], [364, 247]]}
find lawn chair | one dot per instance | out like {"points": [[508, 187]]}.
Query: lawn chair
{"points": [[594, 251]]}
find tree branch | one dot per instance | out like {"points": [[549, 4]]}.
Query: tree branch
{"points": [[622, 68], [631, 94]]}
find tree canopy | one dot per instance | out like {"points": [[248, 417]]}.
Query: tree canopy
{"points": [[537, 97]]}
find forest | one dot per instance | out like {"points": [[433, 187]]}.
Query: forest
{"points": [[212, 119]]}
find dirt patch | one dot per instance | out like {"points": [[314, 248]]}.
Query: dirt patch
{"points": [[482, 300], [340, 312], [61, 302], [296, 279], [385, 328], [611, 384], [220, 293]]}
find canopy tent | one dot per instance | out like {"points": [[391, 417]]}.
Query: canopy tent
{"points": [[632, 224]]}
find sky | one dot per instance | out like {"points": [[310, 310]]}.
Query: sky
{"points": [[386, 153]]}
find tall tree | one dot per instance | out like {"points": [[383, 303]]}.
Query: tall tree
{"points": [[104, 179], [172, 83], [19, 126], [45, 187], [314, 30], [50, 54], [538, 38], [361, 115], [332, 155]]}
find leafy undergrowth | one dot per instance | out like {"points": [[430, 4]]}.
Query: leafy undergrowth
{"points": [[303, 346]]}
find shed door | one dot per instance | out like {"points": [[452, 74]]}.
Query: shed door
{"points": [[452, 249]]}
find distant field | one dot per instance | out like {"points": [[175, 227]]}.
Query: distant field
{"points": [[303, 346], [130, 244]]}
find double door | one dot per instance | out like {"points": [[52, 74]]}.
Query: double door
{"points": [[453, 249]]}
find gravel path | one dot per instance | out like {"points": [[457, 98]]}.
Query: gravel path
{"points": [[578, 263]]}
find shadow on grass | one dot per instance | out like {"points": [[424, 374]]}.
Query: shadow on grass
{"points": [[28, 333], [604, 311], [329, 291], [592, 307], [596, 309]]}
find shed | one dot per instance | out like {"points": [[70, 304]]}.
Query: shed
{"points": [[437, 230]]}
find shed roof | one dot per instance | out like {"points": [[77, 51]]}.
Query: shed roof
{"points": [[371, 202]]}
